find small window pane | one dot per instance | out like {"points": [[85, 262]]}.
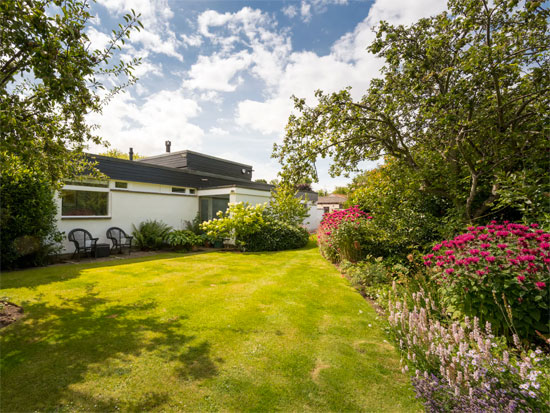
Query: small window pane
{"points": [[191, 191], [84, 203], [179, 190], [122, 185]]}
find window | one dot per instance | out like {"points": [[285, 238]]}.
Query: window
{"points": [[84, 203], [121, 185], [192, 191], [179, 190], [89, 182], [209, 207]]}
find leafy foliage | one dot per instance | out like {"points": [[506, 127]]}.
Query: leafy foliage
{"points": [[276, 236], [184, 239], [50, 80], [406, 218], [463, 104], [151, 234], [255, 228], [286, 206], [27, 217], [117, 153]]}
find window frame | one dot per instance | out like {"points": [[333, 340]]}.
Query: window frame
{"points": [[80, 188]]}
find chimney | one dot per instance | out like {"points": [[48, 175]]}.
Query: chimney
{"points": [[131, 154], [168, 144]]}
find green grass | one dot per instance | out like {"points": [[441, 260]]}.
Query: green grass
{"points": [[217, 331]]}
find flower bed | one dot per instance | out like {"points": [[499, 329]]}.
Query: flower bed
{"points": [[499, 273]]}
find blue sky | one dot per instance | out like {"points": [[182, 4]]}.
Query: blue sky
{"points": [[217, 76]]}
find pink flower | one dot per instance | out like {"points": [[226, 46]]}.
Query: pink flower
{"points": [[474, 251], [521, 278], [490, 259], [437, 247], [449, 252], [535, 225], [449, 270], [544, 245], [427, 263], [485, 246], [540, 285], [502, 246]]}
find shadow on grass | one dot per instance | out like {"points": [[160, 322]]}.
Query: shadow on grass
{"points": [[35, 277], [58, 345]]}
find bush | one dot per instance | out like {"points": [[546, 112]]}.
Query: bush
{"points": [[151, 234], [285, 206], [499, 273], [195, 225], [341, 235], [254, 229], [28, 218], [184, 239], [276, 236]]}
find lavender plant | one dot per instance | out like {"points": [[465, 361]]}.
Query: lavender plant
{"points": [[460, 366]]}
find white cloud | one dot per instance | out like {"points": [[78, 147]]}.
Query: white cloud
{"points": [[290, 11], [157, 35], [145, 126], [305, 11], [218, 131], [217, 73], [253, 32], [348, 64], [98, 40], [193, 40]]}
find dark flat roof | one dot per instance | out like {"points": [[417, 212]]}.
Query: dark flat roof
{"points": [[126, 170]]}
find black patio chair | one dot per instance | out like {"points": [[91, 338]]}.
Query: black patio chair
{"points": [[83, 241], [120, 239]]}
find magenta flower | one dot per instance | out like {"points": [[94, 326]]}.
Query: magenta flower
{"points": [[449, 270], [502, 246], [540, 285], [521, 278]]}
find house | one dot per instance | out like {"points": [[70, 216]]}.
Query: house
{"points": [[331, 202], [173, 187]]}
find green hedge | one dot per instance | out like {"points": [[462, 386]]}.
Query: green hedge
{"points": [[276, 236]]}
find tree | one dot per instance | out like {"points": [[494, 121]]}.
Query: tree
{"points": [[341, 190], [462, 105], [50, 80], [260, 181], [117, 153]]}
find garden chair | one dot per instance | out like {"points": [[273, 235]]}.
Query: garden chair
{"points": [[83, 241], [120, 239]]}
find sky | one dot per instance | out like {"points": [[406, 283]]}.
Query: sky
{"points": [[217, 76]]}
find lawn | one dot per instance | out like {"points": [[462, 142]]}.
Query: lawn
{"points": [[217, 331]]}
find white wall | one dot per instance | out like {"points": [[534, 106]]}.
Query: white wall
{"points": [[315, 216], [139, 203], [252, 196]]}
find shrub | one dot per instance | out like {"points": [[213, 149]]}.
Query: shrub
{"points": [[499, 273], [341, 233], [151, 234], [461, 367], [367, 273], [195, 225], [28, 217], [239, 221], [184, 239], [285, 206], [276, 236], [254, 229]]}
